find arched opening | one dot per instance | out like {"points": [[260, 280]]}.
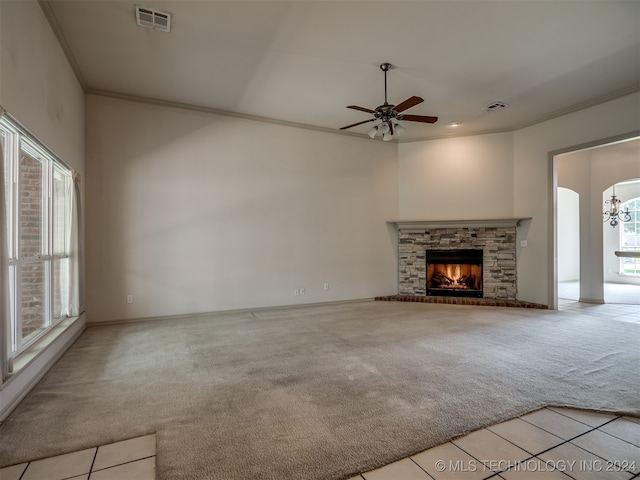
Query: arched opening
{"points": [[568, 244], [621, 245]]}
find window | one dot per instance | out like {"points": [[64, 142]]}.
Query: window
{"points": [[38, 196], [630, 238]]}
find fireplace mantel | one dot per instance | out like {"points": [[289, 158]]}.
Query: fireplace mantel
{"points": [[475, 223]]}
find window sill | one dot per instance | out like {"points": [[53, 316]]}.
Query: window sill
{"points": [[31, 354]]}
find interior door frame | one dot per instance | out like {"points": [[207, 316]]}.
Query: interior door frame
{"points": [[552, 292]]}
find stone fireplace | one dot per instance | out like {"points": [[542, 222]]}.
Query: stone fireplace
{"points": [[489, 272]]}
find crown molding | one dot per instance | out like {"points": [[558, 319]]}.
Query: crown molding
{"points": [[45, 5], [216, 111], [64, 45], [362, 136]]}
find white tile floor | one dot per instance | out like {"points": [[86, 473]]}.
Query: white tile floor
{"points": [[133, 459], [618, 312], [614, 293], [548, 444]]}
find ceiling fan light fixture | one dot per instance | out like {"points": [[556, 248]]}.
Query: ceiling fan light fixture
{"points": [[387, 114]]}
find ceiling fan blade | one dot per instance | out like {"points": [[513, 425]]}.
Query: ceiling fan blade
{"points": [[356, 124], [362, 109], [420, 118], [408, 103]]}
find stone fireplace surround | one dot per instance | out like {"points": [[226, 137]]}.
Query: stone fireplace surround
{"points": [[495, 237]]}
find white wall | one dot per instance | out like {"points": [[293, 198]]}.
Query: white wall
{"points": [[193, 212], [37, 85], [573, 170], [38, 88], [568, 235], [533, 180], [460, 178]]}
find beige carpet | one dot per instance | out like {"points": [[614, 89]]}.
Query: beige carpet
{"points": [[319, 392]]}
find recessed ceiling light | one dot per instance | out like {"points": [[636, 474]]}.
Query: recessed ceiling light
{"points": [[455, 124]]}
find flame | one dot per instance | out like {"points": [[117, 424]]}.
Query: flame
{"points": [[458, 275], [453, 271]]}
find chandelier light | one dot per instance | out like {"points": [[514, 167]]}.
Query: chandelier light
{"points": [[614, 215]]}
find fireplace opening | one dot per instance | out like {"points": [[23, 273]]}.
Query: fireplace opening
{"points": [[454, 273]]}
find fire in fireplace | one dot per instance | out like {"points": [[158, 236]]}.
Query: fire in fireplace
{"points": [[454, 273]]}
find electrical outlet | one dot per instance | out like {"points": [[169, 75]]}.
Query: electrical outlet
{"points": [[296, 291], [326, 286], [302, 291], [523, 243], [129, 298]]}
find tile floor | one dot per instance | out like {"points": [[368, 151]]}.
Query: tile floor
{"points": [[132, 459], [548, 444], [618, 312], [614, 293]]}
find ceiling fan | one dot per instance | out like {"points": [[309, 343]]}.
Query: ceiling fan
{"points": [[388, 114]]}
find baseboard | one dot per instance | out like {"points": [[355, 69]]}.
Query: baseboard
{"points": [[28, 373], [104, 323], [591, 300]]}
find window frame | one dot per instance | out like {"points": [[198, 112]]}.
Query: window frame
{"points": [[17, 141]]}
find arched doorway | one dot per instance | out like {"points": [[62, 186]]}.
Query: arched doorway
{"points": [[621, 242], [568, 244]]}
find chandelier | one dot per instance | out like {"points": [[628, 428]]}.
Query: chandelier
{"points": [[614, 214]]}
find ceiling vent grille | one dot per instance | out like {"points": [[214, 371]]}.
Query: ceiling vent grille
{"points": [[496, 106], [148, 17]]}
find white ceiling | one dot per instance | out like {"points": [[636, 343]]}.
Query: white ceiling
{"points": [[304, 61]]}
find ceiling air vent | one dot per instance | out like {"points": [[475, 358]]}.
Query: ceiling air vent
{"points": [[148, 17], [496, 106]]}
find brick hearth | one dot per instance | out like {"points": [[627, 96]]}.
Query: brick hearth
{"points": [[461, 301]]}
